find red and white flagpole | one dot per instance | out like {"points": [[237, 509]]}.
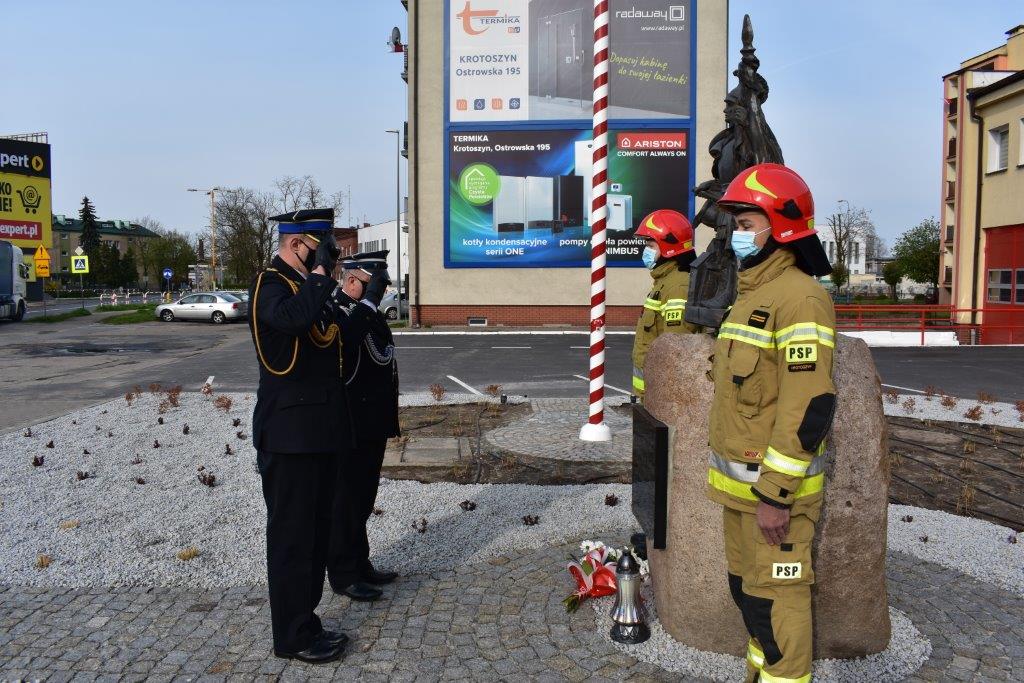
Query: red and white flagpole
{"points": [[595, 429]]}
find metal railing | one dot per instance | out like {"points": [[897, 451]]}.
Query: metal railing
{"points": [[1005, 324]]}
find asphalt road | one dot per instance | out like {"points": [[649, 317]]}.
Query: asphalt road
{"points": [[50, 369]]}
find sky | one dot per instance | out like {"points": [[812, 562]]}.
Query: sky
{"points": [[143, 99]]}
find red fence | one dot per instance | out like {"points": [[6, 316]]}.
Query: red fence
{"points": [[994, 325]]}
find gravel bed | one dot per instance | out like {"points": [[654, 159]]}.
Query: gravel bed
{"points": [[986, 551], [130, 533], [922, 407], [907, 651]]}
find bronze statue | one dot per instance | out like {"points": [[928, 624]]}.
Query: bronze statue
{"points": [[747, 140]]}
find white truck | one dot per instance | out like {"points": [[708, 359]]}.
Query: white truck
{"points": [[13, 275]]}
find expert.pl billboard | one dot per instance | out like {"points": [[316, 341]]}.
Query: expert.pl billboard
{"points": [[25, 216]]}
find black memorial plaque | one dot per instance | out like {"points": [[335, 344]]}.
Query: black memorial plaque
{"points": [[650, 475]]}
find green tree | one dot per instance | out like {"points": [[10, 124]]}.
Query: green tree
{"points": [[892, 274], [127, 271], [917, 252], [90, 239], [173, 250], [840, 275]]}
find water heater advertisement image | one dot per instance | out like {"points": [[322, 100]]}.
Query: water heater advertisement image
{"points": [[522, 198]]}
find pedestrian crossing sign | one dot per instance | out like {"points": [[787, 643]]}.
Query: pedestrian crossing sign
{"points": [[79, 265]]}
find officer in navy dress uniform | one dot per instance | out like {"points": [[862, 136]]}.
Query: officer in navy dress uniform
{"points": [[300, 425], [371, 382]]}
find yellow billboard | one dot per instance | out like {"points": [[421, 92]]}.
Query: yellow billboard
{"points": [[25, 211]]}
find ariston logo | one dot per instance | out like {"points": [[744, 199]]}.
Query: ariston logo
{"points": [[485, 18]]}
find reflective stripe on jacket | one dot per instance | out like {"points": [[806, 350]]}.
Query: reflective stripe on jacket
{"points": [[774, 395], [664, 311]]}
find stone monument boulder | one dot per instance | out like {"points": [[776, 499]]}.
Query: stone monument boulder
{"points": [[851, 616]]}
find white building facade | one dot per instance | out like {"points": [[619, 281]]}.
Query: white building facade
{"points": [[856, 255], [384, 236]]}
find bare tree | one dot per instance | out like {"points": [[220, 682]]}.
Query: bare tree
{"points": [[246, 237], [844, 229], [146, 249]]}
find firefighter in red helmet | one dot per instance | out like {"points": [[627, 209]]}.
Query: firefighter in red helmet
{"points": [[668, 254], [773, 406]]}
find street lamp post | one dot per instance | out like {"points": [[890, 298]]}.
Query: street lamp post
{"points": [[398, 213], [212, 192]]}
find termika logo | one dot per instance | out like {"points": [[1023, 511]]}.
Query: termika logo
{"points": [[484, 18]]}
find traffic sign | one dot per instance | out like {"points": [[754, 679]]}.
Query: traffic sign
{"points": [[79, 265], [79, 251], [168, 273], [41, 261]]}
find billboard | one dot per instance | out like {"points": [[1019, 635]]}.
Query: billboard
{"points": [[25, 216], [521, 198], [532, 60]]}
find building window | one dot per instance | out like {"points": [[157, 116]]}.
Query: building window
{"points": [[64, 235], [1020, 286], [1020, 136], [1000, 286], [998, 148]]}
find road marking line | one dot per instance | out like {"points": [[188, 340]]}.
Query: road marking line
{"points": [[463, 385], [209, 380], [623, 391], [893, 386], [424, 347], [587, 347], [511, 347]]}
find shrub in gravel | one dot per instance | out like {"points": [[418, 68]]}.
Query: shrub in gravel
{"points": [[227, 449], [156, 443], [974, 413], [129, 398], [420, 526], [136, 460], [68, 524], [892, 396], [207, 389], [493, 390], [50, 445], [986, 398], [377, 512], [82, 475], [38, 461], [43, 561], [467, 505], [531, 520], [909, 405], [207, 478], [188, 553], [907, 518], [223, 403], [1019, 405], [27, 432], [163, 408], [85, 451], [930, 391], [184, 430], [154, 388], [437, 391], [174, 395], [611, 500], [237, 421], [140, 480]]}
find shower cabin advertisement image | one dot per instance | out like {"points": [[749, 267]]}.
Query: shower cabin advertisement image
{"points": [[532, 60], [522, 198]]}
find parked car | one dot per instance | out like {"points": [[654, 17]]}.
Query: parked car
{"points": [[216, 307], [389, 306], [240, 294]]}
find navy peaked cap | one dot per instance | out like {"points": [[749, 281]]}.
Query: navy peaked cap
{"points": [[370, 261], [305, 221]]}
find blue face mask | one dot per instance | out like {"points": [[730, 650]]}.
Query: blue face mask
{"points": [[743, 243], [650, 257]]}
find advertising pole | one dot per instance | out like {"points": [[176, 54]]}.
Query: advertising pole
{"points": [[595, 429]]}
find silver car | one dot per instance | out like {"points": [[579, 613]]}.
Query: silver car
{"points": [[389, 306], [216, 307]]}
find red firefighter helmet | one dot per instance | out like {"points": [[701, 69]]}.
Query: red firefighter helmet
{"points": [[670, 229], [778, 192]]}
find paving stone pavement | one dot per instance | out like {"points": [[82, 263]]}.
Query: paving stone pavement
{"points": [[554, 429], [496, 620]]}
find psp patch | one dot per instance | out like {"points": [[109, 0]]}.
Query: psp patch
{"points": [[787, 570], [758, 319], [801, 353]]}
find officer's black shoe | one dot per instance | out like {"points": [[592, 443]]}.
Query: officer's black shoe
{"points": [[322, 650], [361, 592], [335, 637], [379, 578]]}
